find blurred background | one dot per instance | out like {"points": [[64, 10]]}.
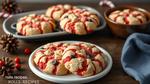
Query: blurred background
{"points": [[89, 1]]}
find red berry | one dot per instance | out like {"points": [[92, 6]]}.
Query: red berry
{"points": [[17, 60], [18, 66], [27, 51], [2, 63]]}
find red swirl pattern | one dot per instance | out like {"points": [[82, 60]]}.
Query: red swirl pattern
{"points": [[82, 16], [89, 51], [87, 58], [125, 15], [50, 57], [58, 8], [28, 21]]}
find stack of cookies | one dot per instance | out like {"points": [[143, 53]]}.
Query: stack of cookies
{"points": [[128, 16], [70, 18], [79, 58]]}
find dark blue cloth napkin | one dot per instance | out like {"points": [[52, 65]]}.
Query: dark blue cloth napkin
{"points": [[135, 57]]}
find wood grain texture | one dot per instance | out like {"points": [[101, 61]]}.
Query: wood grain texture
{"points": [[102, 38]]}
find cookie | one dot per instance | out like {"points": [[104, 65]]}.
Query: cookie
{"points": [[83, 59], [35, 24], [49, 58], [79, 21], [128, 16], [57, 11]]}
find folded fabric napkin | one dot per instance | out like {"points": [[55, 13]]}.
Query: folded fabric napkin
{"points": [[135, 57]]}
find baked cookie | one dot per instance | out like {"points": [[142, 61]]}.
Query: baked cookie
{"points": [[35, 24], [83, 59], [79, 21], [128, 16], [49, 58], [57, 11]]}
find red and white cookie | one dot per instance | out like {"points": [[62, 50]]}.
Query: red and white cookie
{"points": [[49, 58], [35, 24], [79, 21], [128, 16], [57, 11], [83, 59]]}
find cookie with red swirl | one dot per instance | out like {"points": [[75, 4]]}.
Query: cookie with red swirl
{"points": [[57, 11], [84, 59], [128, 16], [79, 21], [34, 24], [49, 58]]}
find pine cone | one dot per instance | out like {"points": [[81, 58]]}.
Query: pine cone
{"points": [[7, 67], [8, 43], [9, 6]]}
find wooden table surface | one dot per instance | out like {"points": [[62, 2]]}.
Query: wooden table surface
{"points": [[102, 38]]}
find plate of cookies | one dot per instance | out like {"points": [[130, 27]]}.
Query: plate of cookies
{"points": [[70, 62], [57, 20]]}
